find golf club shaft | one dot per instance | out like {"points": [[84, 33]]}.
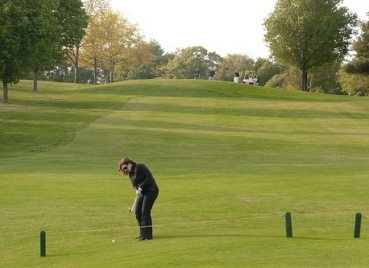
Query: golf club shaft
{"points": [[134, 204]]}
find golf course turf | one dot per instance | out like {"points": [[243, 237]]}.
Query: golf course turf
{"points": [[230, 160]]}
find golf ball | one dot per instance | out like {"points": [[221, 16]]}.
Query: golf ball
{"points": [[113, 241]]}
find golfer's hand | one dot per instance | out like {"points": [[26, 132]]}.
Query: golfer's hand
{"points": [[138, 191]]}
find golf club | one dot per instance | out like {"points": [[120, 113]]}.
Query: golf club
{"points": [[134, 204]]}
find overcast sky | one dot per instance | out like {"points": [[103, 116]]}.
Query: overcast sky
{"points": [[224, 27]]}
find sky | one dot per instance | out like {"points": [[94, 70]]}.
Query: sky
{"points": [[224, 27]]}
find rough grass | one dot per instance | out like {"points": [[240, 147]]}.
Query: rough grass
{"points": [[230, 160]]}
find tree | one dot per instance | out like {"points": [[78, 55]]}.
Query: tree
{"points": [[357, 66], [47, 51], [91, 44], [187, 60], [66, 29], [360, 64], [276, 81], [232, 62], [73, 20], [292, 78], [122, 42], [110, 40], [354, 84], [324, 79], [267, 69], [361, 44], [354, 76], [24, 29], [143, 63], [309, 33]]}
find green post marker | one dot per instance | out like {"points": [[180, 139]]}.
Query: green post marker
{"points": [[43, 243], [357, 225], [288, 224]]}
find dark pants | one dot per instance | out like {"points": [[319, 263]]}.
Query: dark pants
{"points": [[144, 205]]}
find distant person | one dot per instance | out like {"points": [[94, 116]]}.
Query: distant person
{"points": [[211, 74], [196, 74], [236, 76], [147, 191]]}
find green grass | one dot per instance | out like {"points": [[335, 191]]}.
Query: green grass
{"points": [[230, 160]]}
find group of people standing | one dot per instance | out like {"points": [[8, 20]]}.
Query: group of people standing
{"points": [[236, 77], [211, 74]]}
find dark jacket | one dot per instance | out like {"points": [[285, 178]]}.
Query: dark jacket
{"points": [[142, 177]]}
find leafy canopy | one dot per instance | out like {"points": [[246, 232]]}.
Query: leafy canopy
{"points": [[309, 33]]}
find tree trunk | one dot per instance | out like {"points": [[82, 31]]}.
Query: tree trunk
{"points": [[76, 74], [95, 71], [73, 57], [304, 80], [5, 92], [35, 74], [76, 67], [306, 88]]}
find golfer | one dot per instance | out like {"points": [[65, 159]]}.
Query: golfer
{"points": [[236, 76], [147, 191]]}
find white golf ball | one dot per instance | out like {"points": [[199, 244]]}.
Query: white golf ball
{"points": [[113, 241]]}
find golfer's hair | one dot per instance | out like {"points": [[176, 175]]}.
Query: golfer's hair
{"points": [[126, 160]]}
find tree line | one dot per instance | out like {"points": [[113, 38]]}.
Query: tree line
{"points": [[88, 42]]}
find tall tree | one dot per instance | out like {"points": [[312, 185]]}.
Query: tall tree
{"points": [[309, 33], [109, 40], [91, 44], [47, 51], [122, 43], [24, 27], [73, 21]]}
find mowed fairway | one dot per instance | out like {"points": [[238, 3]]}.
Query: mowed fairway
{"points": [[230, 160]]}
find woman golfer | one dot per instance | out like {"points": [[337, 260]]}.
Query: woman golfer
{"points": [[147, 191]]}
